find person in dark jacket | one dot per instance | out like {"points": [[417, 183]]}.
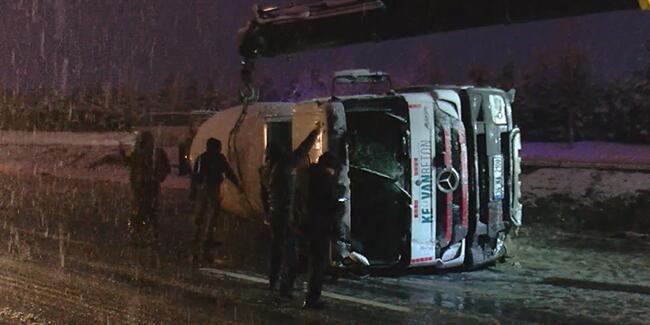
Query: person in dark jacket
{"points": [[149, 166], [325, 206], [277, 186], [210, 170]]}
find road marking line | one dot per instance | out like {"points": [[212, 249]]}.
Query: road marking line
{"points": [[328, 294], [367, 302], [234, 275]]}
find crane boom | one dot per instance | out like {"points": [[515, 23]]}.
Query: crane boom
{"points": [[321, 24]]}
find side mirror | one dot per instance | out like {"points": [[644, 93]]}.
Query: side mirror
{"points": [[511, 95]]}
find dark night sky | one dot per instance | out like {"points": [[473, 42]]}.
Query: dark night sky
{"points": [[64, 43]]}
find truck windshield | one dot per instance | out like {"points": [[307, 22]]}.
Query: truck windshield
{"points": [[378, 174], [376, 144]]}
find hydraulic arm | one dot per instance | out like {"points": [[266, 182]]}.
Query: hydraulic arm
{"points": [[320, 24]]}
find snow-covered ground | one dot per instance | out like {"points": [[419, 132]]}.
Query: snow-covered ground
{"points": [[604, 154], [66, 138], [586, 185], [70, 155]]}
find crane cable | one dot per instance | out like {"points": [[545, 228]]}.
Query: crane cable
{"points": [[247, 95], [247, 100]]}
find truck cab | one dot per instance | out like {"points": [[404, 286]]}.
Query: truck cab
{"points": [[432, 172]]}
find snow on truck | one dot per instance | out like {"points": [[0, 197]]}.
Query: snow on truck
{"points": [[432, 172]]}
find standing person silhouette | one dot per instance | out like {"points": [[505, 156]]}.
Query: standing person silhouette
{"points": [[209, 172], [277, 186], [149, 166], [325, 207]]}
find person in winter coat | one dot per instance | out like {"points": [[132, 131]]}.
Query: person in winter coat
{"points": [[277, 186], [209, 172], [325, 208], [149, 166]]}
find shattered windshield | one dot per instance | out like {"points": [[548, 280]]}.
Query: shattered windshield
{"points": [[376, 144]]}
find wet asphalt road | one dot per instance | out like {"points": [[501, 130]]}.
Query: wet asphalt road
{"points": [[66, 260]]}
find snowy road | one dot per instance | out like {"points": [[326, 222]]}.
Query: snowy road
{"points": [[68, 260], [65, 257], [91, 292]]}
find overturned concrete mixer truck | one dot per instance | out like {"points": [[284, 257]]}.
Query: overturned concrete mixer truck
{"points": [[432, 172]]}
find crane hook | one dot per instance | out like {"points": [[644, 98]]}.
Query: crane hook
{"points": [[248, 93]]}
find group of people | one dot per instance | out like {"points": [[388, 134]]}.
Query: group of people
{"points": [[299, 238], [149, 167], [302, 229]]}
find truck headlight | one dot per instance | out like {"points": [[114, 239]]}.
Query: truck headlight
{"points": [[498, 110]]}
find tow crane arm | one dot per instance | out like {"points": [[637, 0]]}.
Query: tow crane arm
{"points": [[329, 23]]}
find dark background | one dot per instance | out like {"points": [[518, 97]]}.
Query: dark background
{"points": [[181, 55]]}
